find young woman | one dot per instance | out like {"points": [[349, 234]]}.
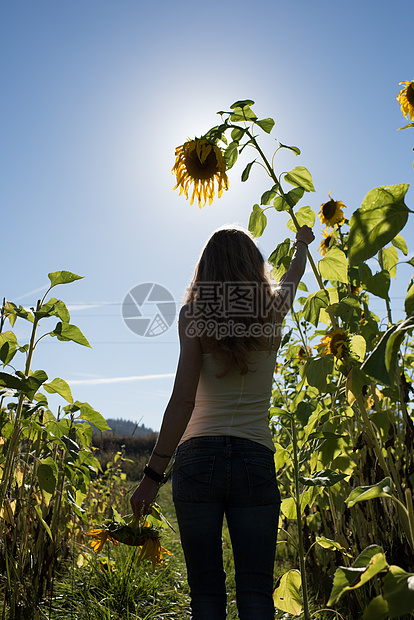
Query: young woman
{"points": [[229, 329]]}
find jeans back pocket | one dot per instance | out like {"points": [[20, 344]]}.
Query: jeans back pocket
{"points": [[192, 478], [262, 482]]}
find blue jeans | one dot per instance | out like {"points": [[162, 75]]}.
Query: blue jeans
{"points": [[217, 476]]}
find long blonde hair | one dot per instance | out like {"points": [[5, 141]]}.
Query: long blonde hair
{"points": [[231, 256]]}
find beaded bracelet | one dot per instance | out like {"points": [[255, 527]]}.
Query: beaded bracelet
{"points": [[301, 241], [154, 475]]}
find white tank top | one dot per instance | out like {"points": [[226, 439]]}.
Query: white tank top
{"points": [[236, 404]]}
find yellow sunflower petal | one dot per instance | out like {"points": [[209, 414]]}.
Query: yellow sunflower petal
{"points": [[201, 163]]}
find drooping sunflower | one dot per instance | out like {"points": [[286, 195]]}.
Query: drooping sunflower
{"points": [[336, 342], [152, 550], [326, 242], [406, 99], [202, 163], [331, 212], [100, 535]]}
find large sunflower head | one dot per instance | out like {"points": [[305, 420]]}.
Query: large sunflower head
{"points": [[336, 342], [99, 537], [327, 241], [331, 212], [202, 163], [406, 99]]}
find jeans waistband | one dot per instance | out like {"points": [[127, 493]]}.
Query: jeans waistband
{"points": [[223, 440]]}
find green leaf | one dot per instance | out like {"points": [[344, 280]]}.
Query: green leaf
{"points": [[368, 564], [257, 221], [66, 332], [242, 104], [390, 260], [358, 347], [62, 277], [31, 384], [287, 595], [399, 243], [288, 200], [9, 381], [382, 215], [334, 265], [231, 154], [377, 284], [313, 306], [377, 609], [301, 177], [43, 522], [8, 346], [327, 543], [323, 478], [237, 134], [399, 591], [86, 412], [266, 124], [361, 494], [409, 300], [246, 171], [295, 149], [304, 215], [316, 371], [59, 386], [242, 114], [47, 475], [282, 252], [269, 195]]}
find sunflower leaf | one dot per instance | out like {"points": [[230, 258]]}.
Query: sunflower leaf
{"points": [[399, 243], [62, 277], [269, 195], [266, 124], [334, 265], [305, 215], [295, 149], [257, 221], [242, 104], [300, 177], [382, 215], [289, 200], [246, 171], [243, 114], [231, 154]]}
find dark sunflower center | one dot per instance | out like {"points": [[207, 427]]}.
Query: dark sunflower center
{"points": [[410, 93], [198, 170], [327, 241], [329, 209], [337, 341]]}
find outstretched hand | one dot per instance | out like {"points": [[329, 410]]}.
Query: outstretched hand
{"points": [[305, 234]]}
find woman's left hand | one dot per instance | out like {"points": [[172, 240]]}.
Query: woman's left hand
{"points": [[143, 497]]}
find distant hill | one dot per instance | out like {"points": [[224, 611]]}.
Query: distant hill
{"points": [[126, 428]]}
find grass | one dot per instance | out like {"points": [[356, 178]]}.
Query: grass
{"points": [[110, 586]]}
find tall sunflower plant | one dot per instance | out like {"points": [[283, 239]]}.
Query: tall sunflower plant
{"points": [[341, 415]]}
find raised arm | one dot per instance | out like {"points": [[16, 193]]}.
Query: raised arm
{"points": [[176, 415], [288, 284]]}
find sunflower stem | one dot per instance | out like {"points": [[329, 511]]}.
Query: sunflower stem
{"points": [[273, 176]]}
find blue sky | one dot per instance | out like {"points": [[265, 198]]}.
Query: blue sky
{"points": [[95, 97]]}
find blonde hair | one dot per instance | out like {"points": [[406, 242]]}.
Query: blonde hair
{"points": [[231, 256]]}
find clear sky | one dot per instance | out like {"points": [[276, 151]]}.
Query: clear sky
{"points": [[96, 95]]}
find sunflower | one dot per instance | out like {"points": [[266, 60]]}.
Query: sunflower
{"points": [[406, 99], [331, 212], [200, 162], [152, 550], [335, 342], [326, 242], [100, 535]]}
